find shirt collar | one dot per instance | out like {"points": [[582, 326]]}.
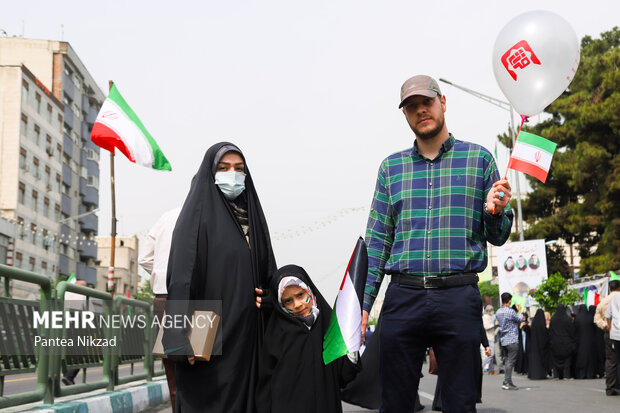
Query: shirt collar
{"points": [[445, 147]]}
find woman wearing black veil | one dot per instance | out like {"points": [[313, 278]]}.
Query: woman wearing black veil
{"points": [[221, 251], [538, 354], [563, 344], [585, 332]]}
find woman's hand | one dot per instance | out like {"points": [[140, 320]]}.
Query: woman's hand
{"points": [[259, 299]]}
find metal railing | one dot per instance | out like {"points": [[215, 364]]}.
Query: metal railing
{"points": [[19, 355]]}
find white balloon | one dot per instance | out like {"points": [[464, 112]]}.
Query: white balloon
{"points": [[535, 57]]}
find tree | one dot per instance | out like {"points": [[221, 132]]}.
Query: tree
{"points": [[578, 203], [553, 291], [489, 290], [145, 292]]}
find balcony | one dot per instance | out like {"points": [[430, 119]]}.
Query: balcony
{"points": [[65, 205], [90, 223], [90, 275], [67, 86], [82, 187], [63, 265], [67, 145], [85, 132], [68, 116], [67, 174], [85, 103], [80, 270], [87, 251], [92, 196], [91, 116]]}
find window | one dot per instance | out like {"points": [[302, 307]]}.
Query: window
{"points": [[59, 124], [32, 263], [24, 92], [49, 113], [83, 172], [35, 167], [22, 158], [59, 152], [37, 99], [46, 207], [21, 193], [93, 181], [76, 110], [48, 178], [92, 155], [66, 189], [23, 128], [35, 201], [33, 229], [36, 137], [57, 188], [44, 265], [77, 82], [18, 259], [57, 212], [20, 223]]}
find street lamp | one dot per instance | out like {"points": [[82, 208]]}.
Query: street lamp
{"points": [[508, 107]]}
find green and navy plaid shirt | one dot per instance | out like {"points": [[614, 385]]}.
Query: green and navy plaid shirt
{"points": [[427, 216]]}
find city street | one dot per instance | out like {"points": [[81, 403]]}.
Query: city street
{"points": [[549, 396]]}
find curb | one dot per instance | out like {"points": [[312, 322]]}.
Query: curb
{"points": [[130, 400]]}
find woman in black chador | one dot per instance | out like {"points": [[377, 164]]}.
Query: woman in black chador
{"points": [[538, 354], [585, 332], [221, 251], [293, 376], [563, 344]]}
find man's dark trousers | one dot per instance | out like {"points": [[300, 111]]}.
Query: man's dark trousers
{"points": [[414, 318]]}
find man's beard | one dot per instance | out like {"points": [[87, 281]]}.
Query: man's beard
{"points": [[431, 133]]}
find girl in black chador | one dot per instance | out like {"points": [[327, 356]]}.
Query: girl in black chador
{"points": [[293, 376]]}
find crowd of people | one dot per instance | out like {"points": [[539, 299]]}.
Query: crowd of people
{"points": [[574, 343]]}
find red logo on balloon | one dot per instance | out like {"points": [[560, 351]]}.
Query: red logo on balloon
{"points": [[519, 56]]}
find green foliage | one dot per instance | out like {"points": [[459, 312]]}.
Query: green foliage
{"points": [[489, 290], [145, 292], [578, 203], [553, 291]]}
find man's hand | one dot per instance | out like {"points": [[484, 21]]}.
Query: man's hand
{"points": [[191, 360], [487, 351], [499, 196], [259, 292], [364, 325]]}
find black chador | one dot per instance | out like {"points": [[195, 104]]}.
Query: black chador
{"points": [[293, 376], [221, 251], [538, 355], [585, 332], [562, 341]]}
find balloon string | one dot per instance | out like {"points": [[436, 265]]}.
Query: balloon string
{"points": [[523, 119]]}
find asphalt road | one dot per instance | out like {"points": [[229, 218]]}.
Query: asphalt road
{"points": [[548, 396]]}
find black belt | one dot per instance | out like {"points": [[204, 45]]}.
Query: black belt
{"points": [[436, 281], [161, 295]]}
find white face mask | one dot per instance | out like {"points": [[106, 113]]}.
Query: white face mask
{"points": [[231, 183]]}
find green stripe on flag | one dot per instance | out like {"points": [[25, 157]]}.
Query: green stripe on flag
{"points": [[333, 343], [538, 141], [159, 160]]}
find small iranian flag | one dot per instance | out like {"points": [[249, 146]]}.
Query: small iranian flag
{"points": [[532, 155], [118, 126], [72, 279], [591, 298], [344, 334]]}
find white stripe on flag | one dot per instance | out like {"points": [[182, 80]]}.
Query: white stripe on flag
{"points": [[530, 153], [349, 315]]}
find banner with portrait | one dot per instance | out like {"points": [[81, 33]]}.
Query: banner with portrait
{"points": [[521, 267]]}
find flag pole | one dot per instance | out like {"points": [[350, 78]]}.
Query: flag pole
{"points": [[113, 232], [523, 119]]}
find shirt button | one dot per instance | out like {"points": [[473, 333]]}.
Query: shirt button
{"points": [[431, 164], [428, 255], [430, 183], [430, 207]]}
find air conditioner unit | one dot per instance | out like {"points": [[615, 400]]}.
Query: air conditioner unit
{"points": [[50, 150], [47, 242]]}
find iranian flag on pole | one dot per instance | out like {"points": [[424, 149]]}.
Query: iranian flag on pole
{"points": [[344, 334], [118, 126], [532, 155], [591, 298]]}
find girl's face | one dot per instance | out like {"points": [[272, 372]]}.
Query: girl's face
{"points": [[296, 301]]}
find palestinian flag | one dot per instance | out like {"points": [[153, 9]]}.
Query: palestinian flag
{"points": [[118, 126], [344, 334], [591, 298], [532, 155]]}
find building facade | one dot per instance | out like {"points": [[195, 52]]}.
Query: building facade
{"points": [[49, 177], [126, 276]]}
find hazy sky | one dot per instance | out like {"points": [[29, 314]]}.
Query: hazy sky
{"points": [[309, 90]]}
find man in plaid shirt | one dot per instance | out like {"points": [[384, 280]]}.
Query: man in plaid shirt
{"points": [[509, 322], [435, 207]]}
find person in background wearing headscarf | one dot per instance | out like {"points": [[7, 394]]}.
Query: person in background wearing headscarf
{"points": [[585, 333], [612, 385], [538, 348], [221, 253], [563, 343], [599, 345], [488, 323], [293, 376]]}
